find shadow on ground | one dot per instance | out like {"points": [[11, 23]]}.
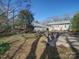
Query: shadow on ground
{"points": [[73, 49], [18, 48], [32, 54], [50, 53]]}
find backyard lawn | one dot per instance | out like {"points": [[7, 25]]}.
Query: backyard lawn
{"points": [[28, 46]]}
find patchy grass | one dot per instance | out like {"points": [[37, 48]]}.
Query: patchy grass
{"points": [[6, 40], [17, 37], [7, 35], [32, 45]]}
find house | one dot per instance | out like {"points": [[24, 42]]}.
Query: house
{"points": [[62, 25], [39, 26]]}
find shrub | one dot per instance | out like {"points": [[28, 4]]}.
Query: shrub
{"points": [[4, 47]]}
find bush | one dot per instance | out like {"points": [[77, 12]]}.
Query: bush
{"points": [[75, 23], [30, 28], [4, 47]]}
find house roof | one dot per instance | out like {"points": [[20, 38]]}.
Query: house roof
{"points": [[59, 22], [39, 25]]}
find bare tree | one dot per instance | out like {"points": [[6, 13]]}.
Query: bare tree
{"points": [[11, 8], [66, 17]]}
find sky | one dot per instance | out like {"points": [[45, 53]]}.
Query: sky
{"points": [[43, 9]]}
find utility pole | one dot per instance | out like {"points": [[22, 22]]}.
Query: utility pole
{"points": [[13, 19], [7, 20], [8, 7]]}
